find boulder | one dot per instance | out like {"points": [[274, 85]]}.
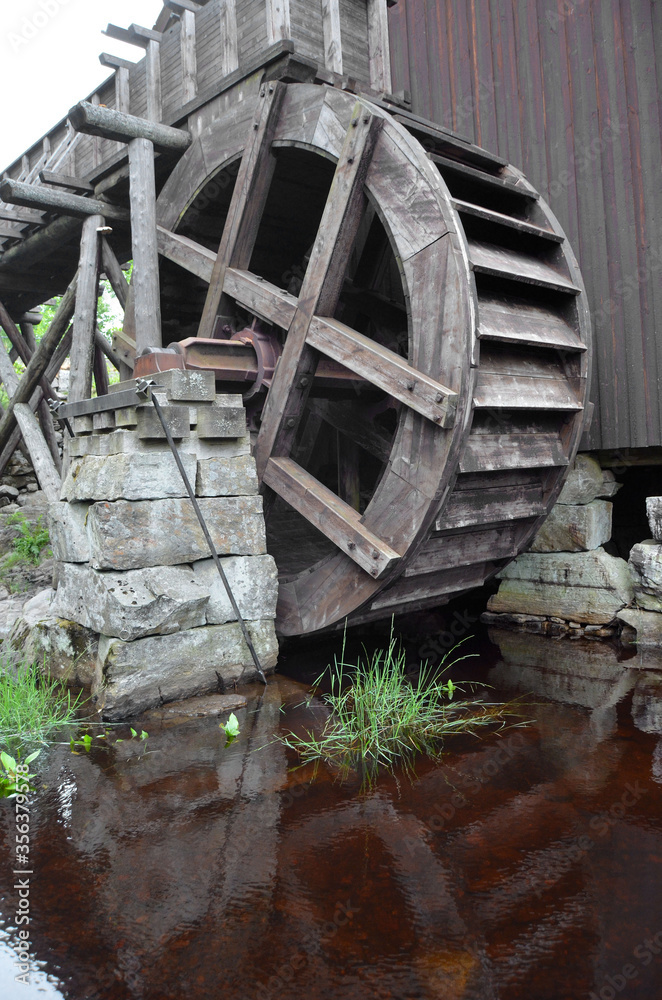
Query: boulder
{"points": [[65, 650], [136, 534], [646, 624], [133, 604], [221, 477], [654, 514], [152, 476], [134, 676], [647, 703], [253, 581], [575, 528], [585, 587], [68, 531], [646, 568], [584, 482]]}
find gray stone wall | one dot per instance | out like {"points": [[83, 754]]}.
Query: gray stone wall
{"points": [[133, 565]]}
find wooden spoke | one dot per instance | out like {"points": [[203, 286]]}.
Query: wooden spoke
{"points": [[250, 195], [320, 290], [334, 518]]}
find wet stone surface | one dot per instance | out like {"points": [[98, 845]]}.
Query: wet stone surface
{"points": [[526, 864]]}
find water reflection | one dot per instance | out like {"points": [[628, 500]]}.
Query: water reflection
{"points": [[525, 865]]}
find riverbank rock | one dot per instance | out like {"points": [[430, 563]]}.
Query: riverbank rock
{"points": [[654, 514], [646, 624], [646, 568], [585, 587], [64, 650], [254, 584], [136, 534], [575, 528], [130, 605], [134, 676], [584, 482]]}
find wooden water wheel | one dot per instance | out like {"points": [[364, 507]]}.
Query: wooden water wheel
{"points": [[433, 337]]}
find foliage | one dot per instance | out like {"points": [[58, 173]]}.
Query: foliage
{"points": [[32, 538], [381, 718], [230, 728], [11, 780], [32, 707]]}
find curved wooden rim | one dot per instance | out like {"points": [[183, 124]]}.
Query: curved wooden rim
{"points": [[415, 208]]}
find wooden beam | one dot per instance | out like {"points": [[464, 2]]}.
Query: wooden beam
{"points": [[332, 36], [229, 58], [181, 6], [279, 24], [85, 316], [248, 200], [114, 272], [135, 34], [65, 181], [110, 124], [100, 369], [188, 55], [22, 215], [320, 290], [7, 233], [379, 48], [38, 196], [145, 280], [48, 430], [42, 460], [334, 518], [153, 80], [116, 62]]}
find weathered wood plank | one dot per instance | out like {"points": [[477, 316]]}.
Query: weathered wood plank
{"points": [[333, 59], [248, 200], [145, 278], [187, 253], [513, 450], [336, 519], [85, 316], [229, 54], [188, 55], [114, 272], [500, 219], [491, 259], [518, 322], [384, 369], [39, 196], [321, 288], [500, 185], [491, 506], [65, 180], [379, 47], [464, 548], [279, 25], [513, 392], [42, 460]]}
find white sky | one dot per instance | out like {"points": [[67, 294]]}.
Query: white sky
{"points": [[49, 60]]}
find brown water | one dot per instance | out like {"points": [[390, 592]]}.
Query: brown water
{"points": [[523, 866]]}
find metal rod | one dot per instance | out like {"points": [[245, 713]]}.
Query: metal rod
{"points": [[203, 525]]}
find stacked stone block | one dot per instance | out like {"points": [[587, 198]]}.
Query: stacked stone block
{"points": [[645, 616], [134, 565], [567, 582]]}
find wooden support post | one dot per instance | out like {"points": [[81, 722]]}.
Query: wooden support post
{"points": [[85, 316], [94, 120], [27, 331], [100, 370], [332, 37], [114, 272], [320, 290], [188, 56], [150, 41], [248, 200], [96, 141], [44, 466], [229, 60], [379, 48], [145, 281], [279, 25], [122, 69], [48, 430]]}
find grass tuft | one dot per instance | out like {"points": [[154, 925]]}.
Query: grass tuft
{"points": [[32, 707], [381, 719]]}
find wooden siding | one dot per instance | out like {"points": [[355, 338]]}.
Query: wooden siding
{"points": [[569, 93]]}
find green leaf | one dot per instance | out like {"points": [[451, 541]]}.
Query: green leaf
{"points": [[8, 762], [144, 735], [87, 741], [231, 727], [133, 732], [28, 760]]}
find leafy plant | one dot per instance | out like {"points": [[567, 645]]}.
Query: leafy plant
{"points": [[32, 707], [230, 728], [134, 735], [32, 538], [11, 780], [381, 718]]}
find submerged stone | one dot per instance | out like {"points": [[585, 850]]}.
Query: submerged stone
{"points": [[64, 650]]}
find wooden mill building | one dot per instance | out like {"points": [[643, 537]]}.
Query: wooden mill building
{"points": [[346, 205]]}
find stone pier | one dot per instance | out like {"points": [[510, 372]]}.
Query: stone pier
{"points": [[133, 567]]}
